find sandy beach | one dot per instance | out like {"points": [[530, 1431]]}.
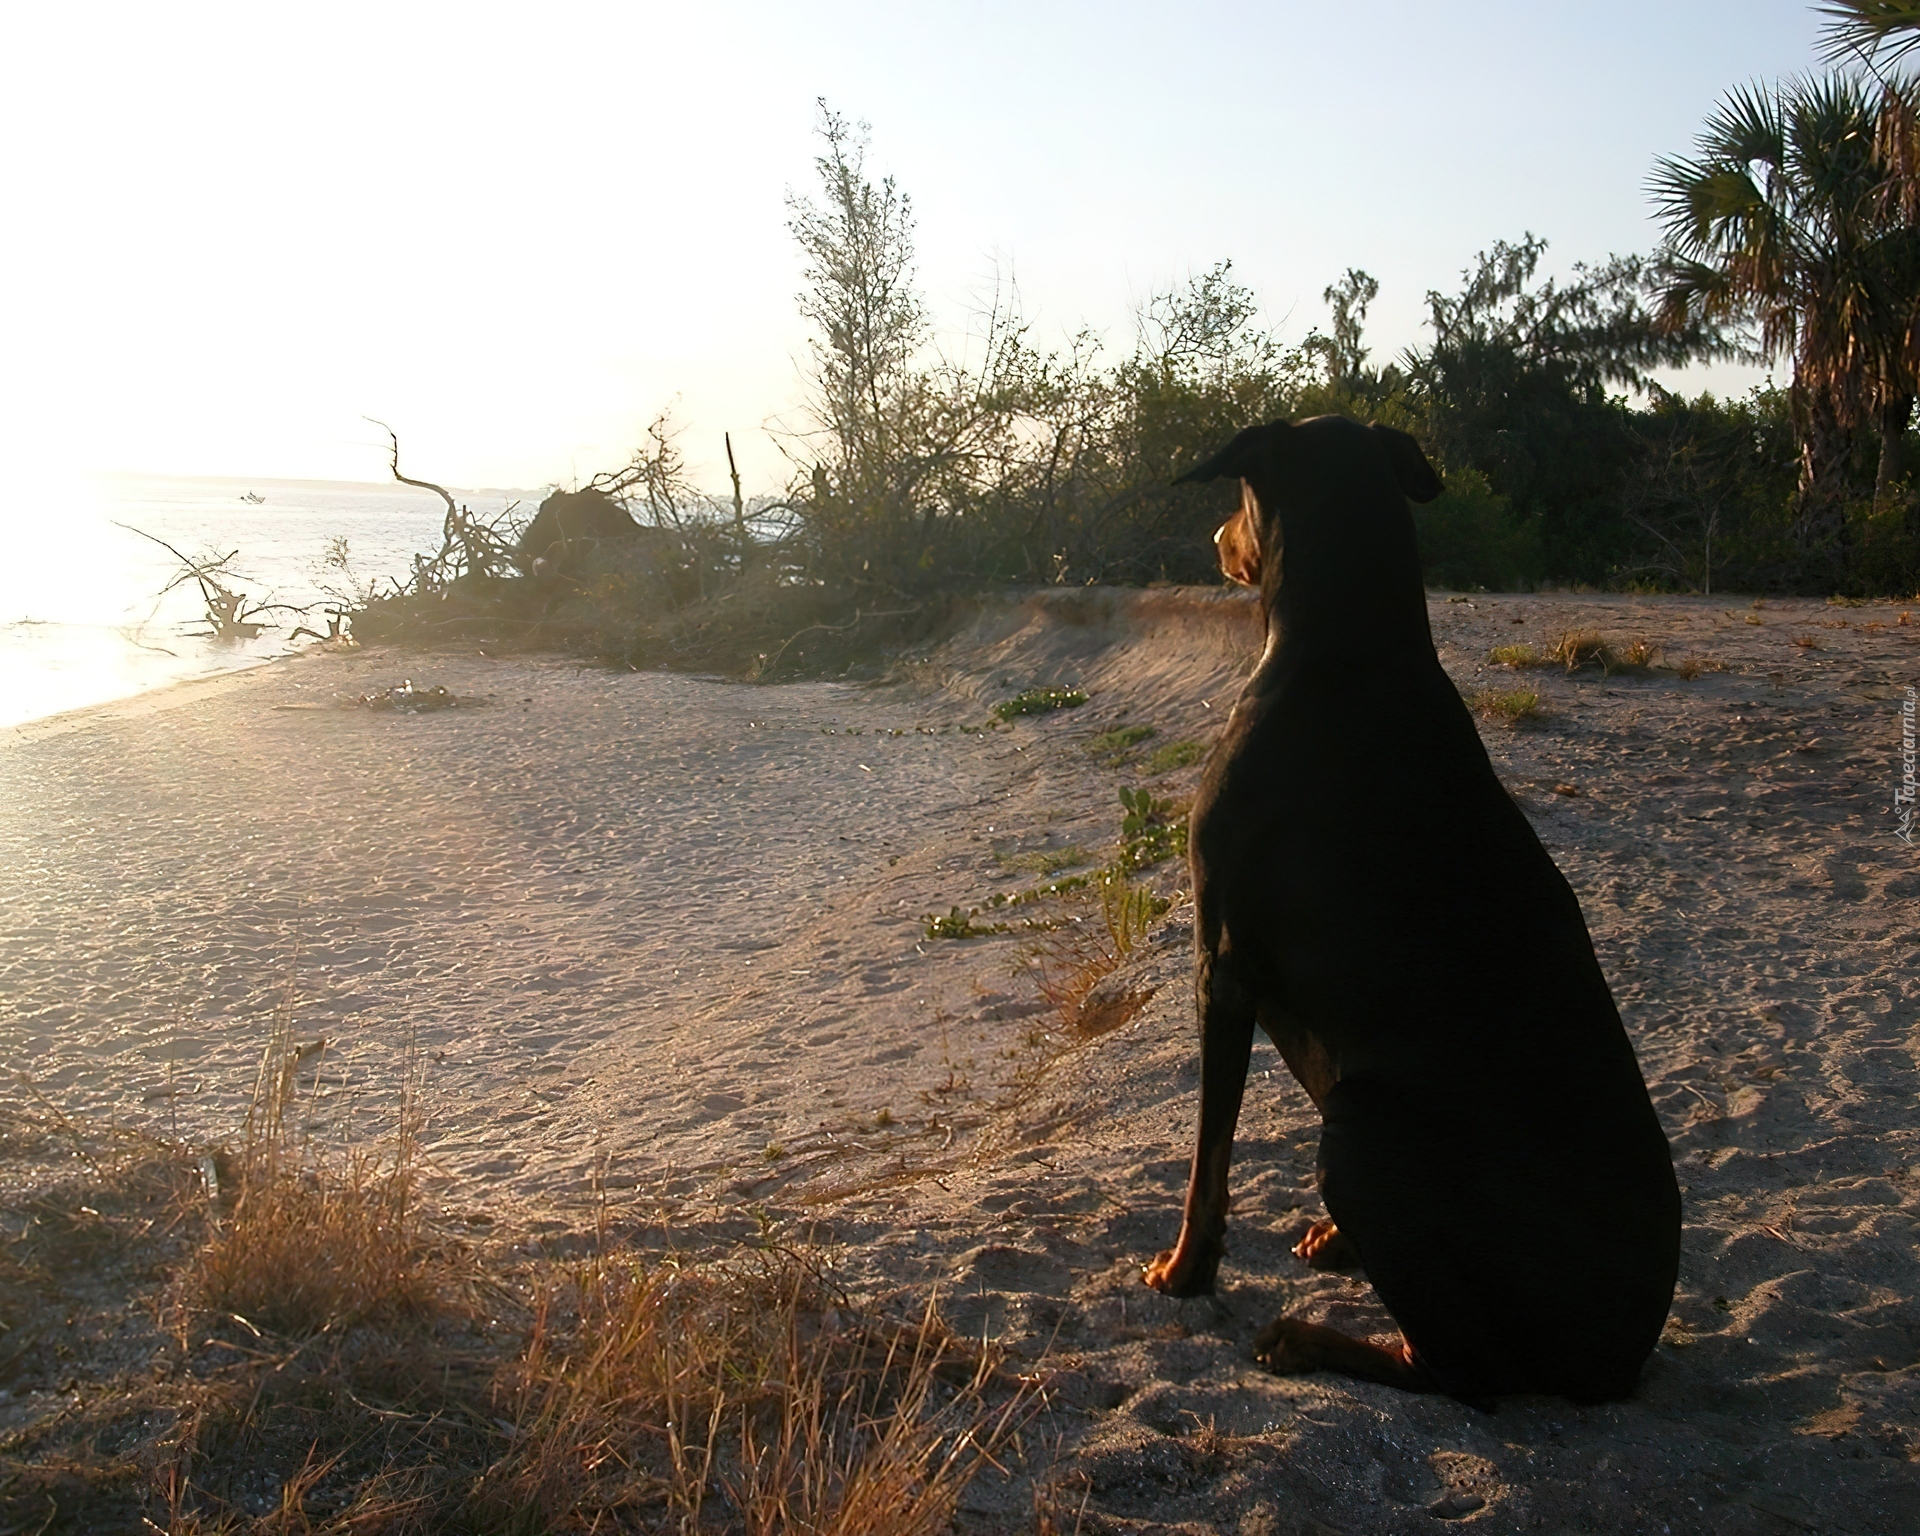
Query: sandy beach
{"points": [[656, 947]]}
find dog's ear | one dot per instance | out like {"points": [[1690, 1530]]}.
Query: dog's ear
{"points": [[1237, 457], [1418, 482], [1238, 541]]}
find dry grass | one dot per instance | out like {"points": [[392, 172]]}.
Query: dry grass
{"points": [[740, 1396], [1511, 707], [1580, 648], [308, 1243], [1636, 656], [1576, 649], [1068, 965], [335, 1364], [628, 1393], [1692, 666]]}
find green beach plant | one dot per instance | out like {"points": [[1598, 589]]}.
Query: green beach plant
{"points": [[1174, 756], [1043, 861], [1151, 830], [1038, 701], [1115, 747]]}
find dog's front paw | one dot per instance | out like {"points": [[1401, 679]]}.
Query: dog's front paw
{"points": [[1186, 1269]]}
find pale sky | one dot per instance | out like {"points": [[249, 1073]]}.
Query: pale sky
{"points": [[518, 232]]}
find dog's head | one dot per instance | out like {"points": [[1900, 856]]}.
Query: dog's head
{"points": [[1330, 497]]}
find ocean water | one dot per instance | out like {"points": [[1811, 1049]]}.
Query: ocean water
{"points": [[84, 617]]}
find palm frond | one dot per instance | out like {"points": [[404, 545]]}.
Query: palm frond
{"points": [[1869, 28], [1788, 216]]}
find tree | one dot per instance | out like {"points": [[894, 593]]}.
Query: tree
{"points": [[1518, 384], [1784, 218], [858, 244], [1871, 29], [1342, 352]]}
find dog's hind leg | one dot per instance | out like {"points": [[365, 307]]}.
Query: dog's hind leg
{"points": [[1326, 1247], [1226, 1047], [1288, 1347]]}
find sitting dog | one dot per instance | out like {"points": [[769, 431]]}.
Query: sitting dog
{"points": [[1370, 896]]}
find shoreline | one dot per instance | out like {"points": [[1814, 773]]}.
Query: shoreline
{"points": [[203, 678]]}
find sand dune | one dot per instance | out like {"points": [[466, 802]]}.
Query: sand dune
{"points": [[662, 938]]}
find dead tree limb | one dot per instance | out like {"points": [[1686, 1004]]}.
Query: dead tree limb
{"points": [[479, 543], [230, 612], [393, 440], [739, 504]]}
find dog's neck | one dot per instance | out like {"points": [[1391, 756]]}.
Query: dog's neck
{"points": [[1341, 589]]}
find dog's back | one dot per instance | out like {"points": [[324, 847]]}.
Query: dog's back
{"points": [[1489, 1146]]}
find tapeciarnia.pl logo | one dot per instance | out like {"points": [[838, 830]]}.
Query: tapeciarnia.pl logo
{"points": [[1903, 794]]}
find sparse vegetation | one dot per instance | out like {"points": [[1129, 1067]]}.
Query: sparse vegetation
{"points": [[422, 1385], [1043, 861], [1577, 649], [1174, 756], [1067, 966], [305, 1245], [1151, 830], [1115, 747], [1691, 667], [960, 925], [740, 1395], [1127, 911], [1038, 701], [1580, 648], [1514, 706]]}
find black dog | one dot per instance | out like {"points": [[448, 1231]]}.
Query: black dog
{"points": [[1370, 896]]}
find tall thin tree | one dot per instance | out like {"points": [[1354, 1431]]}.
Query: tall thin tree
{"points": [[857, 239]]}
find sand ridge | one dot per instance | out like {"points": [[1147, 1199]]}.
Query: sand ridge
{"points": [[659, 939]]}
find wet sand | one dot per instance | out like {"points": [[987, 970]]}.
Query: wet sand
{"points": [[656, 947]]}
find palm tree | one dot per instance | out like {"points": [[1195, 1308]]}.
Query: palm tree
{"points": [[1866, 28], [1783, 219]]}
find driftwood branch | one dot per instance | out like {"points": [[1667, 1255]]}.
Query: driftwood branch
{"points": [[739, 502], [467, 543], [230, 612], [393, 441]]}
